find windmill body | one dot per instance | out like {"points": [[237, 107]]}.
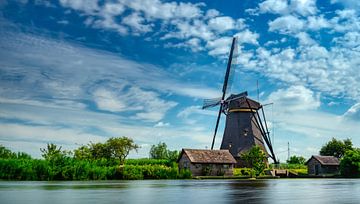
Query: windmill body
{"points": [[241, 128]]}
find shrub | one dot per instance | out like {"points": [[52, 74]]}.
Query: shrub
{"points": [[350, 164]]}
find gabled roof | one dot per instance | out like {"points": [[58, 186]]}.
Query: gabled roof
{"points": [[209, 156], [325, 160]]}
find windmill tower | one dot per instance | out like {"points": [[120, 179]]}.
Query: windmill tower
{"points": [[244, 127]]}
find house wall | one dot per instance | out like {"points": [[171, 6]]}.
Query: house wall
{"points": [[205, 169], [322, 169]]}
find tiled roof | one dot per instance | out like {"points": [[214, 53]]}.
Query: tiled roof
{"points": [[326, 160], [209, 156]]}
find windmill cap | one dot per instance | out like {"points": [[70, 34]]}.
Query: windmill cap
{"points": [[242, 103]]}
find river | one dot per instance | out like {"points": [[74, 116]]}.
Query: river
{"points": [[291, 191]]}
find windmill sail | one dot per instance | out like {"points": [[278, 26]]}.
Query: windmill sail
{"points": [[228, 74]]}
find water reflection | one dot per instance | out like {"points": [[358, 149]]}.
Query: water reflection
{"points": [[184, 191], [248, 191]]}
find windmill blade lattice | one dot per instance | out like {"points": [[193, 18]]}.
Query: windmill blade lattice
{"points": [[209, 103]]}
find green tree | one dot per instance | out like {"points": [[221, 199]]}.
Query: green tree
{"points": [[336, 147], [255, 158], [57, 160], [99, 150], [120, 147], [350, 164], [5, 153], [296, 160], [160, 151], [83, 153]]}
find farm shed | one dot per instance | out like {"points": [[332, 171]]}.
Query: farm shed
{"points": [[207, 162], [322, 165]]}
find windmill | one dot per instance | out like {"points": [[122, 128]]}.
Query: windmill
{"points": [[244, 126]]}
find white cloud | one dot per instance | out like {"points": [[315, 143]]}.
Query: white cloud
{"points": [[247, 36], [136, 22], [222, 23], [285, 7], [353, 112], [161, 124], [107, 100], [191, 24], [317, 23], [351, 4], [274, 6], [83, 5], [295, 98], [219, 46], [304, 7], [286, 24], [305, 39]]}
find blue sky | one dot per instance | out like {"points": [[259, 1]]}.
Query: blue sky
{"points": [[75, 71]]}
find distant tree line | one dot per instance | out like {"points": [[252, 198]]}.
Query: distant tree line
{"points": [[94, 161]]}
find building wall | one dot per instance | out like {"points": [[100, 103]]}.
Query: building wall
{"points": [[205, 169], [314, 164]]}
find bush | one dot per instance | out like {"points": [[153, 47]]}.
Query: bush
{"points": [[146, 161], [184, 174], [150, 172], [296, 160], [255, 158], [350, 164]]}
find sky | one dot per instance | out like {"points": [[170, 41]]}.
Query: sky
{"points": [[80, 71]]}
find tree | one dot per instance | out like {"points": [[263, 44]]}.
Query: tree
{"points": [[83, 153], [160, 151], [350, 164], [99, 150], [51, 151], [296, 160], [5, 153], [255, 158], [336, 147], [120, 147], [56, 159]]}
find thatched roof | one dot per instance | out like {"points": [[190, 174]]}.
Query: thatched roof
{"points": [[209, 156], [326, 160]]}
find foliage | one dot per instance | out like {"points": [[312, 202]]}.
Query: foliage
{"points": [[85, 164], [350, 164], [336, 147], [255, 158], [243, 172], [296, 160], [120, 147], [184, 174], [113, 149], [146, 161], [288, 166], [160, 151], [300, 172], [59, 165], [149, 172], [8, 154]]}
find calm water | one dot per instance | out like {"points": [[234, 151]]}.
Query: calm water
{"points": [[292, 191]]}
